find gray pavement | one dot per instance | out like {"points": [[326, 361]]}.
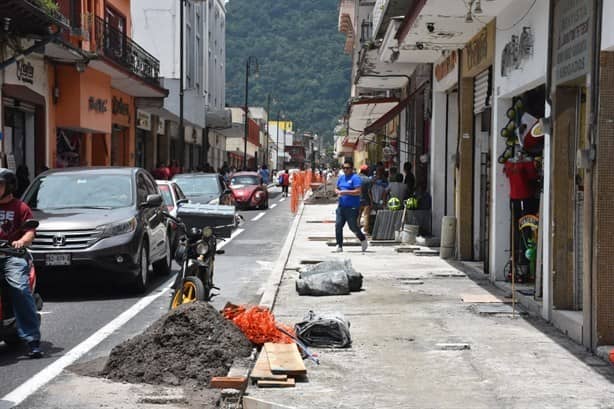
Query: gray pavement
{"points": [[416, 344]]}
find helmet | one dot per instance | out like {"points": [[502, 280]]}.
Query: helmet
{"points": [[411, 203], [10, 181], [394, 203]]}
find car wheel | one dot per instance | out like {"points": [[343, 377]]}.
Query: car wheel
{"points": [[142, 278], [163, 266]]}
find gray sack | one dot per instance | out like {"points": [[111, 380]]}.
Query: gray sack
{"points": [[324, 330]]}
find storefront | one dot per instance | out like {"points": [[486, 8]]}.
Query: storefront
{"points": [[143, 153], [24, 104], [444, 133], [473, 171], [123, 131], [519, 162], [572, 173]]}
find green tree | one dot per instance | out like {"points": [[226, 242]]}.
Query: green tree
{"points": [[301, 59]]}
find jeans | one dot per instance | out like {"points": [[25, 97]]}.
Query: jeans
{"points": [[349, 215], [16, 273]]}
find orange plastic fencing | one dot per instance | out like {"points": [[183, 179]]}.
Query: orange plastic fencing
{"points": [[258, 324]]}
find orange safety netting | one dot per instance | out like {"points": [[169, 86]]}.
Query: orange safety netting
{"points": [[258, 324]]}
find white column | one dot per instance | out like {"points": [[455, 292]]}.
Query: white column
{"points": [[437, 160], [545, 225], [500, 216]]}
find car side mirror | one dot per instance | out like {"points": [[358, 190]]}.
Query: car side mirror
{"points": [[30, 224], [152, 201], [182, 201]]}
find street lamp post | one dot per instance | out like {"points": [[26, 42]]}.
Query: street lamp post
{"points": [[250, 64]]}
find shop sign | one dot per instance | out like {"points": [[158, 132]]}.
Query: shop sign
{"points": [[446, 66], [517, 51], [143, 120], [25, 72], [97, 104], [119, 107], [161, 127], [572, 39], [479, 51]]}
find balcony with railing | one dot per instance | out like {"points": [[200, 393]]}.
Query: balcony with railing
{"points": [[117, 47], [27, 17]]}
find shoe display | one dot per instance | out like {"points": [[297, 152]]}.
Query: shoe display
{"points": [[364, 245]]}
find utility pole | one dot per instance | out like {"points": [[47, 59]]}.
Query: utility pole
{"points": [[268, 108], [277, 154]]}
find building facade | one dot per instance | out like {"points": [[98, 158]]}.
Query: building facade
{"points": [[509, 132]]}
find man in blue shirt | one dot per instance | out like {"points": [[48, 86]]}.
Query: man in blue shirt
{"points": [[349, 190]]}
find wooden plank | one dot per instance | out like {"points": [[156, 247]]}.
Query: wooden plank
{"points": [[288, 383], [262, 371], [285, 358], [231, 382]]}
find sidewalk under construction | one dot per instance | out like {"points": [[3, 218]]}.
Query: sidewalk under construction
{"points": [[427, 334]]}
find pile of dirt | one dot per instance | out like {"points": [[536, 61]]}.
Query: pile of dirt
{"points": [[187, 346]]}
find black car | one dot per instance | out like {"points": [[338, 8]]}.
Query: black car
{"points": [[101, 218], [205, 188]]}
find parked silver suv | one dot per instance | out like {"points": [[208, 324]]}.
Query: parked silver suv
{"points": [[100, 218]]}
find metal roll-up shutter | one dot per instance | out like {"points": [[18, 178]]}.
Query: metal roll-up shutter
{"points": [[481, 92]]}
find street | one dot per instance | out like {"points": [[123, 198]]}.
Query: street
{"points": [[73, 313]]}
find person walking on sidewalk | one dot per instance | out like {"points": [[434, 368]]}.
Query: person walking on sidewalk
{"points": [[285, 182], [349, 191]]}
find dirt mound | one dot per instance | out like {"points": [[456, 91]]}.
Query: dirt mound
{"points": [[189, 345]]}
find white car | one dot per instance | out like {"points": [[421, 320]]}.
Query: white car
{"points": [[173, 197]]}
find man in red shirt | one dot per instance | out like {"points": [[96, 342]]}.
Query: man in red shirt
{"points": [[285, 182], [15, 270]]}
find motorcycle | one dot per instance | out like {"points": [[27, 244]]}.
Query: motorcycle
{"points": [[196, 255], [8, 324]]}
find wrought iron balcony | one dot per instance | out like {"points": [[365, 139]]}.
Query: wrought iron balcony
{"points": [[122, 50], [31, 17]]}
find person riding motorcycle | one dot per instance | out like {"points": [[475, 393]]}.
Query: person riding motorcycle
{"points": [[14, 270]]}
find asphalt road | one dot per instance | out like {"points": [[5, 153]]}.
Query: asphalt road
{"points": [[76, 311]]}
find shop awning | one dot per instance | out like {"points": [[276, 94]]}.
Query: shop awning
{"points": [[392, 113], [364, 112]]}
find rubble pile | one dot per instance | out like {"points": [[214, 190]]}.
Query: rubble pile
{"points": [[188, 345]]}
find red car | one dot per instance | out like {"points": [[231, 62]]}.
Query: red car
{"points": [[248, 190]]}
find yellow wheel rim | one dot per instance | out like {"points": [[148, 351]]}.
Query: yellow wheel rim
{"points": [[188, 292]]}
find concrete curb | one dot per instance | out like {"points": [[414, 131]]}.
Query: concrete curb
{"points": [[272, 286]]}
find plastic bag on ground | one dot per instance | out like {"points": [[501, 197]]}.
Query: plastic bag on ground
{"points": [[334, 266], [333, 283], [329, 330]]}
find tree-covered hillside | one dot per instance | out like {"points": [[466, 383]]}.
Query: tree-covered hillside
{"points": [[300, 53]]}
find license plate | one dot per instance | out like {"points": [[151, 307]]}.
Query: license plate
{"points": [[57, 259]]}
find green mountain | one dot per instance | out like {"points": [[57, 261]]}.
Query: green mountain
{"points": [[300, 55]]}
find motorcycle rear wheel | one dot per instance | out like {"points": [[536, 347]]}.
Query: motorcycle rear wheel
{"points": [[192, 290]]}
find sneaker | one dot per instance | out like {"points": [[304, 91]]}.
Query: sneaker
{"points": [[35, 350], [364, 244], [338, 249]]}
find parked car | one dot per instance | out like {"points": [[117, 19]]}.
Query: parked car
{"points": [[248, 190], [173, 197], [205, 188], [108, 218]]}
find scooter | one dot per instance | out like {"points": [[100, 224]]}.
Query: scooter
{"points": [[196, 255], [8, 324]]}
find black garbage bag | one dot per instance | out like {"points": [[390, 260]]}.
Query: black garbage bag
{"points": [[330, 330], [333, 283], [334, 266]]}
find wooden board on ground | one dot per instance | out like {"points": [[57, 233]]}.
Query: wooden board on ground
{"points": [[231, 382], [484, 298], [285, 359], [288, 383], [262, 371]]}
